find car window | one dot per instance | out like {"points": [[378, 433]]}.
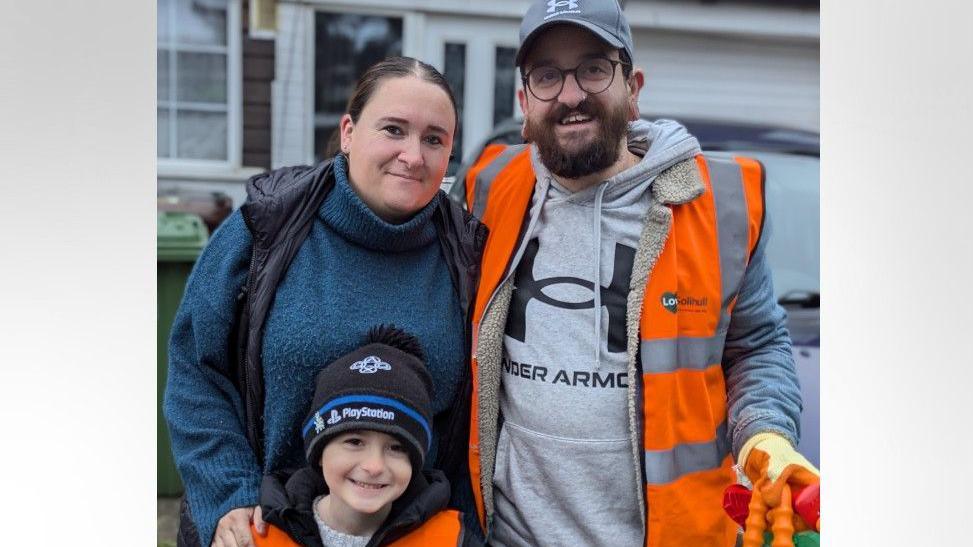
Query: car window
{"points": [[793, 204], [792, 193]]}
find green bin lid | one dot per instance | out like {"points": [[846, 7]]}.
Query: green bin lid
{"points": [[180, 236]]}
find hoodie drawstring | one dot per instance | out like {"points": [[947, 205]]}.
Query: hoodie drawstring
{"points": [[597, 279]]}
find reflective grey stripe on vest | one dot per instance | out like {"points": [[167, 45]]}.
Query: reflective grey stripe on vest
{"points": [[670, 354], [485, 177], [665, 466], [726, 179], [732, 221]]}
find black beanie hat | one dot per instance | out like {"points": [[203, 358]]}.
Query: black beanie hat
{"points": [[381, 386]]}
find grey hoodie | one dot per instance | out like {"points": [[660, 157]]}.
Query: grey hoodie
{"points": [[564, 470]]}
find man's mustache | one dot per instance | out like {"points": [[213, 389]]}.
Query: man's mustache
{"points": [[584, 108]]}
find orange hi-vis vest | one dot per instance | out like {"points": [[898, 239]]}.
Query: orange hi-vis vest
{"points": [[702, 225], [442, 530]]}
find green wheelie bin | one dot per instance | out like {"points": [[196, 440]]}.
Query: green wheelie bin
{"points": [[180, 238]]}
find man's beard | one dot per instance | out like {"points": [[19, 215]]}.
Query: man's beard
{"points": [[597, 155]]}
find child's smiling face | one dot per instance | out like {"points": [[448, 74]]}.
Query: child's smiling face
{"points": [[366, 471]]}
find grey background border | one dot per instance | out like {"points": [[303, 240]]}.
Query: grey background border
{"points": [[77, 299]]}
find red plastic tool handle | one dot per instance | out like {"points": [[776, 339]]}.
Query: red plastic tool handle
{"points": [[736, 503], [806, 502]]}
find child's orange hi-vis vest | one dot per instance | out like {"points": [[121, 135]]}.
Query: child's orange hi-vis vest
{"points": [[442, 530]]}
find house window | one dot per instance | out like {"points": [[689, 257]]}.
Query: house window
{"points": [[345, 45], [504, 83], [454, 70], [195, 70]]}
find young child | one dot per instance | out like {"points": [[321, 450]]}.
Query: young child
{"points": [[366, 438]]}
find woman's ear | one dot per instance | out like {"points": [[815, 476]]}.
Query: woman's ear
{"points": [[346, 126]]}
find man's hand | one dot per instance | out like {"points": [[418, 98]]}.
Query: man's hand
{"points": [[233, 530], [776, 471]]}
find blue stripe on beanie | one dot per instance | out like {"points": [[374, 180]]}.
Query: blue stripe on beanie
{"points": [[374, 399]]}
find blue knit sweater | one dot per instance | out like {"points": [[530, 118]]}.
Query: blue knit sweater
{"points": [[353, 271]]}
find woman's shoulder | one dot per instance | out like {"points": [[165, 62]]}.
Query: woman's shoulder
{"points": [[274, 184], [454, 211], [277, 198], [461, 222]]}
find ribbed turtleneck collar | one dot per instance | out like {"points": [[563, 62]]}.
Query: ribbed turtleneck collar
{"points": [[345, 213]]}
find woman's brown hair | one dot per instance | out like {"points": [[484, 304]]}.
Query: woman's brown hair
{"points": [[396, 67], [393, 67]]}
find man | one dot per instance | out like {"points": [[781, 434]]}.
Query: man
{"points": [[627, 342]]}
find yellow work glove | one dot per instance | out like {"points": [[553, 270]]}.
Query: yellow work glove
{"points": [[775, 469]]}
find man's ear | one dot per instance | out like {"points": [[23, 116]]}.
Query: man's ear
{"points": [[522, 100], [346, 126], [635, 82]]}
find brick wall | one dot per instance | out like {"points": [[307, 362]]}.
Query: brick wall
{"points": [[258, 73]]}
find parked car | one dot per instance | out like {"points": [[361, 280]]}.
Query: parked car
{"points": [[792, 163]]}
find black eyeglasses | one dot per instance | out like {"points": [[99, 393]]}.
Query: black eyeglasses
{"points": [[593, 76]]}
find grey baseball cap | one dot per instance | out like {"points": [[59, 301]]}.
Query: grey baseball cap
{"points": [[602, 17]]}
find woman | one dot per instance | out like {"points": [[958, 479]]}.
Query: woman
{"points": [[382, 244]]}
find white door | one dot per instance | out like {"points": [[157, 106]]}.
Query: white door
{"points": [[729, 77], [476, 55]]}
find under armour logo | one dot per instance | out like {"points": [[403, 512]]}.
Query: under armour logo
{"points": [[335, 417], [565, 6], [613, 297], [370, 365], [554, 4]]}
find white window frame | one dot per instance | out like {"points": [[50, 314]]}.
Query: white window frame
{"points": [[480, 52], [231, 168]]}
